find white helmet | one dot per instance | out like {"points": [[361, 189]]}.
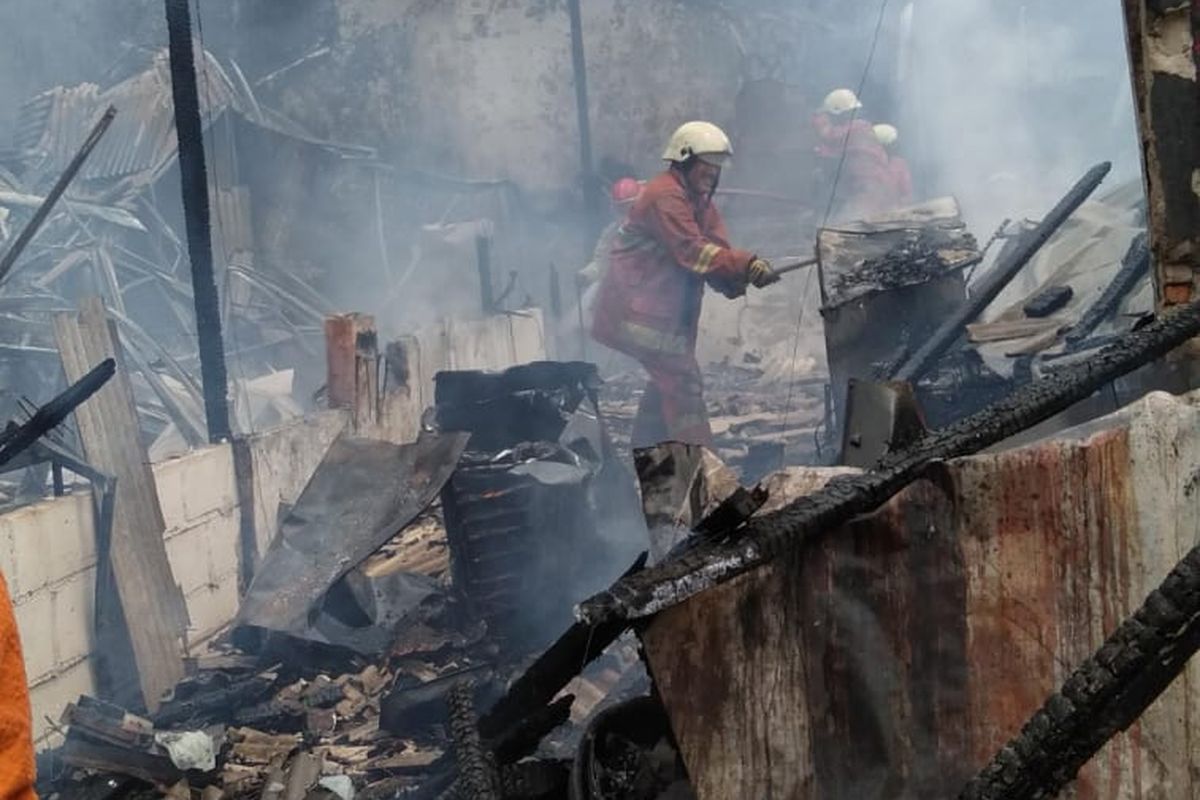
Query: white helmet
{"points": [[701, 139], [839, 101], [886, 134]]}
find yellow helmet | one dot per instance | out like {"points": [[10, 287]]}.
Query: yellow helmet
{"points": [[886, 134], [839, 101], [701, 139]]}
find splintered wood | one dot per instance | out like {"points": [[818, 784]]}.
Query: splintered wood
{"points": [[150, 598]]}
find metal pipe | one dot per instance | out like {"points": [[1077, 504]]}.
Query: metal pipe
{"points": [[591, 199], [39, 217]]}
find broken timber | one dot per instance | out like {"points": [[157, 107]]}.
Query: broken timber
{"points": [[1133, 266], [151, 600], [1104, 695], [51, 415], [477, 770], [765, 537], [1001, 275]]}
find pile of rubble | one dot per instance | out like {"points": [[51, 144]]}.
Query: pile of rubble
{"points": [[369, 636]]}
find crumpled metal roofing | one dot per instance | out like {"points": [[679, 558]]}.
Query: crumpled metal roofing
{"points": [[142, 138]]}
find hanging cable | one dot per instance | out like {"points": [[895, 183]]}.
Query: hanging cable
{"points": [[837, 175], [862, 82]]}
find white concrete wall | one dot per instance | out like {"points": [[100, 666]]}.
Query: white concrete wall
{"points": [[448, 76], [49, 559], [47, 550]]}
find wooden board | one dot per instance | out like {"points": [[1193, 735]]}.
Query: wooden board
{"points": [[152, 601]]}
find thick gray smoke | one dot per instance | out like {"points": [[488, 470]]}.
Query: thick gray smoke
{"points": [[1007, 104]]}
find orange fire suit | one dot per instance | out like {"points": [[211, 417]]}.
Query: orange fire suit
{"points": [[16, 725], [648, 306], [866, 184]]}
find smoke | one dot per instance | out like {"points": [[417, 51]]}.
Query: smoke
{"points": [[51, 42], [1005, 105]]}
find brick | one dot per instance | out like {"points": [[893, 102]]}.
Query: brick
{"points": [[73, 611], [209, 482], [50, 698], [35, 620], [195, 485], [211, 607], [170, 486], [202, 552], [46, 542]]}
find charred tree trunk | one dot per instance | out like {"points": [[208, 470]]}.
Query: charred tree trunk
{"points": [[193, 176]]}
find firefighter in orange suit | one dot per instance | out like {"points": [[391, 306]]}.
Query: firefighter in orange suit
{"points": [[671, 245], [16, 725], [848, 142]]}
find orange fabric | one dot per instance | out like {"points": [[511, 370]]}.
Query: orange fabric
{"points": [[16, 724], [672, 406], [868, 186], [671, 244]]}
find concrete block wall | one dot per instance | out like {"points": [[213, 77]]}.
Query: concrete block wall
{"points": [[47, 550]]}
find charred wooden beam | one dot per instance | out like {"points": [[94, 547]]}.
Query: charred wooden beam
{"points": [[1001, 275], [1134, 264], [193, 179], [525, 737], [49, 416], [1162, 36], [1104, 695], [844, 497], [477, 771]]}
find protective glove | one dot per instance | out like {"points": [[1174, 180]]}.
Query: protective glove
{"points": [[760, 274]]}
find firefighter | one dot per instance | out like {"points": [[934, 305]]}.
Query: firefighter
{"points": [[671, 245], [864, 187], [897, 166], [622, 194]]}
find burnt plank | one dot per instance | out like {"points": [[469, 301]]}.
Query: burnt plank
{"points": [[109, 429]]}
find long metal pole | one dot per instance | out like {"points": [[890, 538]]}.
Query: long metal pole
{"points": [[193, 174], [591, 199], [39, 217]]}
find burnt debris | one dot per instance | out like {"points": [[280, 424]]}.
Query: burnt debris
{"points": [[674, 581], [1102, 696]]}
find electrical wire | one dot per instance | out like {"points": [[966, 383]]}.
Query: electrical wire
{"points": [[837, 175], [793, 378]]}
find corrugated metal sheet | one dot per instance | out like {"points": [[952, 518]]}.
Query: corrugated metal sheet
{"points": [[141, 141], [892, 658]]}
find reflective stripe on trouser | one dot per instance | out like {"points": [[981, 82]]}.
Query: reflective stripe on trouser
{"points": [[672, 407]]}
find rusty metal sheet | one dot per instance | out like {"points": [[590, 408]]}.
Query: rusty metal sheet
{"points": [[361, 495], [142, 139], [894, 656]]}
